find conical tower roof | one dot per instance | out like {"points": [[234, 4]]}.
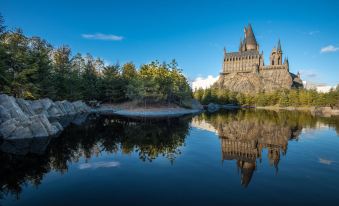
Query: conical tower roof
{"points": [[279, 46], [251, 42]]}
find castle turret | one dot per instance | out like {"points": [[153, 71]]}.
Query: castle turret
{"points": [[276, 55], [240, 46], [279, 46], [250, 41]]}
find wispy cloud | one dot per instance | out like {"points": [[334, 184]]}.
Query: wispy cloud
{"points": [[312, 33], [329, 48], [325, 161], [106, 37], [310, 73], [96, 165]]}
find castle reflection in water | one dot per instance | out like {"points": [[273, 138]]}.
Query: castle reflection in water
{"points": [[245, 134]]}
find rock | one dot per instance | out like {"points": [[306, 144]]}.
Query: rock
{"points": [[25, 106], [8, 127], [51, 129], [37, 107], [4, 114], [80, 119], [264, 81], [80, 106], [54, 111], [211, 107], [191, 104], [12, 107], [24, 119], [196, 105]]}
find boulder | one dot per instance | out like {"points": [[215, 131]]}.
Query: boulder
{"points": [[24, 119], [211, 107], [8, 127], [54, 111], [35, 126], [12, 107], [25, 106], [81, 107], [4, 114]]}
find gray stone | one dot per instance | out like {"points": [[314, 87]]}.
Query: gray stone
{"points": [[38, 129], [80, 119], [211, 107], [20, 132], [24, 119], [25, 106], [80, 106], [4, 114], [37, 107], [196, 104], [8, 127], [12, 107]]}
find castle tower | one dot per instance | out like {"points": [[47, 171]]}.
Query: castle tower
{"points": [[250, 41], [276, 55]]}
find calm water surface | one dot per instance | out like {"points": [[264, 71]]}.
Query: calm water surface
{"points": [[245, 156]]}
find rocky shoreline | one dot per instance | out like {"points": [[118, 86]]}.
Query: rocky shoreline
{"points": [[25, 119]]}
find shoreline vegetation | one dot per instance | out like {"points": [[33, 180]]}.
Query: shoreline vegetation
{"points": [[39, 83], [292, 99]]}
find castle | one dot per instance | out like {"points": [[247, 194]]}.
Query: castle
{"points": [[245, 70]]}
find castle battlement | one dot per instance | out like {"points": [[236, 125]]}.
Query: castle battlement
{"points": [[248, 59]]}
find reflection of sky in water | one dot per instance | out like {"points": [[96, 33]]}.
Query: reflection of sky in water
{"points": [[164, 163], [96, 165]]}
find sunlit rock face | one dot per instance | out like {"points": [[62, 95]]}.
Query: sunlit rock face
{"points": [[264, 81]]}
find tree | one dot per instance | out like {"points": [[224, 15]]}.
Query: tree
{"points": [[90, 80], [114, 86], [62, 67]]}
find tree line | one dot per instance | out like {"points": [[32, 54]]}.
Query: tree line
{"points": [[32, 68], [284, 98]]}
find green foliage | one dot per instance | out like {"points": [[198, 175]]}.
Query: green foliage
{"points": [[284, 98], [31, 68]]}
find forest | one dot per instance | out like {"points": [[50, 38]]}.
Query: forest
{"points": [[31, 68], [282, 98]]}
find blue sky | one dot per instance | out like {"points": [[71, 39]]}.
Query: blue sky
{"points": [[192, 32]]}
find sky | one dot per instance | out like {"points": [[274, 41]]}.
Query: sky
{"points": [[192, 32]]}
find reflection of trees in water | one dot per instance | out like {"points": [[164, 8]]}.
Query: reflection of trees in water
{"points": [[150, 139], [244, 134]]}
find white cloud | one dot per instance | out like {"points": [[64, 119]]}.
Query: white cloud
{"points": [[329, 48], [96, 165], [204, 82], [325, 161], [99, 36]]}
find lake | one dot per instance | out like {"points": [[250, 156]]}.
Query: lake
{"points": [[229, 157]]}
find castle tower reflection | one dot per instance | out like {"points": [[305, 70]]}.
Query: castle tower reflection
{"points": [[244, 136]]}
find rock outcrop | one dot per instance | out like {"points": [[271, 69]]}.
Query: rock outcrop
{"points": [[25, 119], [263, 81]]}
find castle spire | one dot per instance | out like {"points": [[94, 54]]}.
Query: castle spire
{"points": [[250, 41], [240, 46], [279, 46], [224, 51]]}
